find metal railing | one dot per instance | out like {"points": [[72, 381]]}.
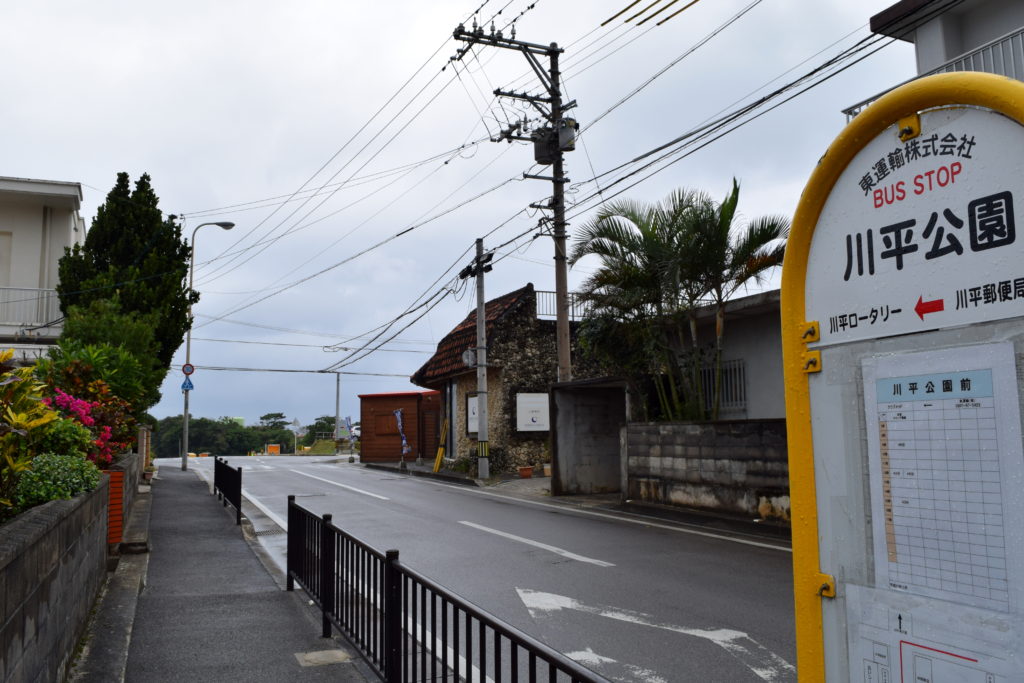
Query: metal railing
{"points": [[547, 306], [406, 626], [23, 305], [733, 390], [1003, 56], [227, 484]]}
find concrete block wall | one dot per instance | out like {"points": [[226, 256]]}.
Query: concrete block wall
{"points": [[52, 566], [738, 467]]}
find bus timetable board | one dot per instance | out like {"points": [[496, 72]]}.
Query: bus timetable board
{"points": [[903, 326]]}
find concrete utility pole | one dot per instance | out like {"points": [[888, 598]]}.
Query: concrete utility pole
{"points": [[337, 414], [549, 144], [480, 265]]}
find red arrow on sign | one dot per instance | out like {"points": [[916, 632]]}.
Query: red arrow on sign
{"points": [[924, 307]]}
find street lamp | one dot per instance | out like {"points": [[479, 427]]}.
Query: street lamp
{"points": [[226, 225]]}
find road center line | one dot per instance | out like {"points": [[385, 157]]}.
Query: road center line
{"points": [[538, 544], [344, 486], [617, 518]]}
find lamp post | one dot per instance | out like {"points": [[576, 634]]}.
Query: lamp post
{"points": [[226, 225]]}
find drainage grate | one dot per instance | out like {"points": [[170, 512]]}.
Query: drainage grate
{"points": [[270, 532]]}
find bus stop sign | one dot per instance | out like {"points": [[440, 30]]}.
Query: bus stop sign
{"points": [[902, 304]]}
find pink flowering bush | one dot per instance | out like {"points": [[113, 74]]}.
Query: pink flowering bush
{"points": [[101, 447]]}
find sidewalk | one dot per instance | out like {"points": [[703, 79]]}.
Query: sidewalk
{"points": [[208, 609]]}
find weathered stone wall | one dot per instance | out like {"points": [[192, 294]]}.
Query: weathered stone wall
{"points": [[737, 466], [52, 565]]}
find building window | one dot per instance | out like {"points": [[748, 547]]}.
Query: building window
{"points": [[733, 393]]}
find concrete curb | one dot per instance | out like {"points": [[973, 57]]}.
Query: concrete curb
{"points": [[104, 656], [451, 478]]}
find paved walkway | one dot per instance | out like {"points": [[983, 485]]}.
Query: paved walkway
{"points": [[209, 609]]}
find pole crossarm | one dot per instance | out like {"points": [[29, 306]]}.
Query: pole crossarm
{"points": [[530, 176], [520, 96], [497, 40]]}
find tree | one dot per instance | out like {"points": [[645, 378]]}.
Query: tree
{"points": [[659, 264], [273, 421], [133, 252], [639, 287], [101, 324], [724, 257]]}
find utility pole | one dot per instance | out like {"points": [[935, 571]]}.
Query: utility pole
{"points": [[549, 144], [337, 413], [479, 266]]}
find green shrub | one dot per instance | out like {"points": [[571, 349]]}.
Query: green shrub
{"points": [[54, 477], [65, 437]]}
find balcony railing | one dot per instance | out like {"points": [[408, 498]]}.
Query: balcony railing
{"points": [[547, 306], [1003, 56], [24, 306]]}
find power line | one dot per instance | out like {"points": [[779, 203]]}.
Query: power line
{"points": [[310, 346], [700, 43], [348, 142], [362, 252], [725, 121], [308, 372], [267, 202]]}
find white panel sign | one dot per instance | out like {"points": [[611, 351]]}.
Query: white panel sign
{"points": [[906, 639], [532, 413], [945, 460], [917, 235], [472, 415]]}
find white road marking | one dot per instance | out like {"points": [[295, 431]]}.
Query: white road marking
{"points": [[617, 518], [759, 659], [538, 544], [265, 510], [598, 662], [344, 486]]}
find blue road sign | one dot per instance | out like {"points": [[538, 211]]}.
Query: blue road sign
{"points": [[187, 384]]}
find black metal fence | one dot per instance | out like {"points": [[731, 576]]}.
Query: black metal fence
{"points": [[227, 484], [408, 627]]}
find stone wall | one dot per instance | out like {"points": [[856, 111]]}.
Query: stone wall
{"points": [[52, 565], [737, 466]]}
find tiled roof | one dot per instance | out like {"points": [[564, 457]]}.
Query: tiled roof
{"points": [[447, 360]]}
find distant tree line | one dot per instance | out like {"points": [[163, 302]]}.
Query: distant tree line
{"points": [[224, 436]]}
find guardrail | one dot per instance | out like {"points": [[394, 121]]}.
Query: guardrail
{"points": [[227, 484], [406, 626], [1003, 56], [23, 305]]}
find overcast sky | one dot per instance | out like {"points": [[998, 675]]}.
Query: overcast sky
{"points": [[234, 107]]}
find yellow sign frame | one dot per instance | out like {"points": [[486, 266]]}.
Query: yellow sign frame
{"points": [[901, 106]]}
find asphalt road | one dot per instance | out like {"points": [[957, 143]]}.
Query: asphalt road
{"points": [[633, 598]]}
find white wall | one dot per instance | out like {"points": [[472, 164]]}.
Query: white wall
{"points": [[31, 225], [965, 28]]}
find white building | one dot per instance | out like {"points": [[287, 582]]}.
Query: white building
{"points": [[38, 219], [955, 35]]}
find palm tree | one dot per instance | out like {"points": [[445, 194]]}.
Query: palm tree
{"points": [[724, 257], [638, 283]]}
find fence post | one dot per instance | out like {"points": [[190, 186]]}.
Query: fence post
{"points": [[291, 557], [327, 577], [392, 618], [238, 508]]}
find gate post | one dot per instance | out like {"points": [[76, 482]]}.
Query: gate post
{"points": [[327, 575], [392, 618]]}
